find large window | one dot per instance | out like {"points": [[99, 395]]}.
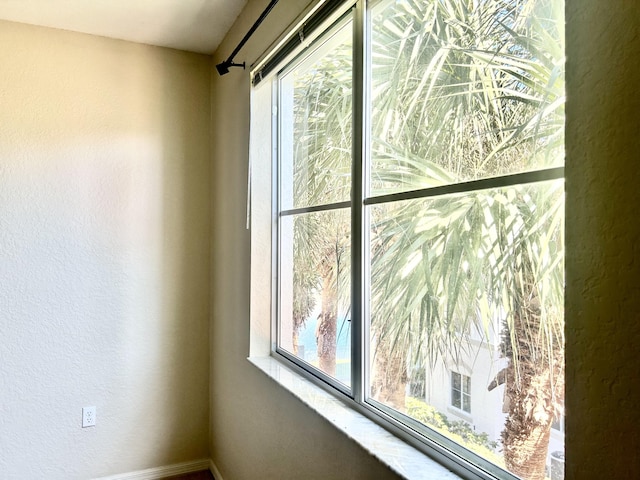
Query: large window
{"points": [[420, 219]]}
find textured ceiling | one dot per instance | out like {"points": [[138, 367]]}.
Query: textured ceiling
{"points": [[192, 25]]}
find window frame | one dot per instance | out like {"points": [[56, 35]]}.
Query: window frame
{"points": [[332, 25], [442, 448], [463, 380]]}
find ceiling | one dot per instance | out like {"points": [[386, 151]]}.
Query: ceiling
{"points": [[191, 25]]}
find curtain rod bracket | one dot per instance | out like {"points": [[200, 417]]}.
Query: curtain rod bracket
{"points": [[223, 68]]}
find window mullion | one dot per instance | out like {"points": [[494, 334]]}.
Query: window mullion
{"points": [[357, 192], [275, 220]]}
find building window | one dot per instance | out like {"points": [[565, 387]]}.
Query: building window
{"points": [[420, 210], [558, 423], [461, 391]]}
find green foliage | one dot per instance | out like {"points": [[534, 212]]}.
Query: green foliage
{"points": [[457, 430], [426, 414], [463, 90]]}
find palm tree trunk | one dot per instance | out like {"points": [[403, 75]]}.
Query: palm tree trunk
{"points": [[525, 438], [534, 382], [295, 337], [389, 375], [327, 327]]}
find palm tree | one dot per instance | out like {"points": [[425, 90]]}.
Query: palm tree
{"points": [[461, 275], [471, 90], [461, 90], [321, 165]]}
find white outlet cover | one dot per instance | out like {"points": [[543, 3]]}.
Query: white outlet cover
{"points": [[88, 417]]}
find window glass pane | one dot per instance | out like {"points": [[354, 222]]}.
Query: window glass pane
{"points": [[558, 423], [315, 125], [315, 290], [489, 263], [464, 89], [455, 381], [466, 403], [467, 384], [455, 390], [455, 398]]}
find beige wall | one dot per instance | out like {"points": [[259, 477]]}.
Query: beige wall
{"points": [[104, 253], [603, 241], [259, 431]]}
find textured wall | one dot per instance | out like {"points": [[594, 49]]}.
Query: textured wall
{"points": [[104, 253], [603, 240]]}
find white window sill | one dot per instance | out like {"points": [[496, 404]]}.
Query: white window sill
{"points": [[461, 414], [400, 457]]}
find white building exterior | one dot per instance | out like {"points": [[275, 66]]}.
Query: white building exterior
{"points": [[480, 362]]}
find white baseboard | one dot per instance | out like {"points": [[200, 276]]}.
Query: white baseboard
{"points": [[166, 471], [214, 470]]}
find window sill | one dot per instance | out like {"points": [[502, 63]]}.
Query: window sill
{"points": [[400, 457], [461, 414]]}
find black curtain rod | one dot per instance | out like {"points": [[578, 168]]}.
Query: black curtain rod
{"points": [[223, 68]]}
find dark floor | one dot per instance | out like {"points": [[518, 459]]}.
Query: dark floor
{"points": [[204, 475]]}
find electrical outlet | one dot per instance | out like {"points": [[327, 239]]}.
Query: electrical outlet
{"points": [[88, 417]]}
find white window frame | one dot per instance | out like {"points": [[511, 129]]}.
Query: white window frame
{"points": [[435, 446], [462, 391]]}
